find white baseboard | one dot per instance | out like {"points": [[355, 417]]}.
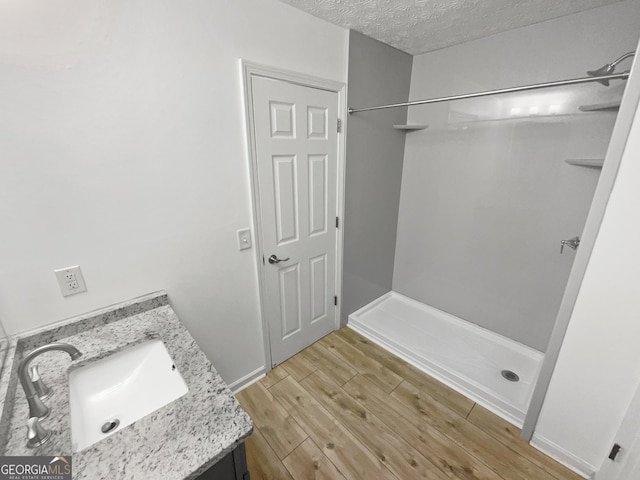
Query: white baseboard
{"points": [[247, 380], [561, 455]]}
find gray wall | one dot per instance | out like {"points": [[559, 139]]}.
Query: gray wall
{"points": [[486, 193], [377, 74]]}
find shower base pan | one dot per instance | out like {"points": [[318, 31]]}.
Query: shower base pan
{"points": [[470, 359]]}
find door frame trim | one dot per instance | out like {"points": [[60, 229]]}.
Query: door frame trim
{"points": [[248, 71]]}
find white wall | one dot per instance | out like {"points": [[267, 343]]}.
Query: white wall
{"points": [[598, 369], [486, 194], [123, 150]]}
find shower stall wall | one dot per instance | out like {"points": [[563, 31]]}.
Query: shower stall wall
{"points": [[489, 190], [487, 194], [377, 73]]}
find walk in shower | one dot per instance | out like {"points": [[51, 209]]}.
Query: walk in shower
{"points": [[495, 191]]}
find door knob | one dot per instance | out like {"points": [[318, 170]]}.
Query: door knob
{"points": [[273, 259]]}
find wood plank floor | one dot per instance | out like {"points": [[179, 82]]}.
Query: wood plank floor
{"points": [[345, 408]]}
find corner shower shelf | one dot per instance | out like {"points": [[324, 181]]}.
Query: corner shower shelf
{"points": [[586, 162], [612, 106], [410, 128]]}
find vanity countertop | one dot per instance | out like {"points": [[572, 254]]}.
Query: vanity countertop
{"points": [[179, 441]]}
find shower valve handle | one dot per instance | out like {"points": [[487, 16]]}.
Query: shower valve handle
{"points": [[572, 243]]}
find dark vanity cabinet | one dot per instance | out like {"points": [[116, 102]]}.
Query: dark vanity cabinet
{"points": [[231, 467]]}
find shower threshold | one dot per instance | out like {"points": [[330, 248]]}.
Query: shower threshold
{"points": [[464, 356]]}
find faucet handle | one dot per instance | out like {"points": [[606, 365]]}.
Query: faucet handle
{"points": [[36, 434], [42, 390], [37, 408]]}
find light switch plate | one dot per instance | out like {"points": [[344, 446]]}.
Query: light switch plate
{"points": [[70, 280], [244, 239]]}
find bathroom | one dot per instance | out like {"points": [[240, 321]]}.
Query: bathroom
{"points": [[115, 158]]}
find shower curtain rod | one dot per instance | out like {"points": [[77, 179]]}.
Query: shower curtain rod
{"points": [[575, 81]]}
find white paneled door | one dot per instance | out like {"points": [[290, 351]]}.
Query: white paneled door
{"points": [[296, 150]]}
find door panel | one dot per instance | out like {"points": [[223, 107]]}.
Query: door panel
{"points": [[285, 182], [318, 187], [296, 146], [290, 300]]}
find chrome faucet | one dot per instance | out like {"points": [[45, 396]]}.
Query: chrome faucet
{"points": [[36, 407]]}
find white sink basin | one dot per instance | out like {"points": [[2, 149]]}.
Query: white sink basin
{"points": [[114, 392]]}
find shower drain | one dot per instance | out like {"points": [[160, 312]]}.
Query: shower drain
{"points": [[509, 375]]}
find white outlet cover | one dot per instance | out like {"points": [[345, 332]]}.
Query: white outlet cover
{"points": [[70, 280], [244, 239]]}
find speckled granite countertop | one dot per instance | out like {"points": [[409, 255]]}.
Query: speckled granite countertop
{"points": [[178, 441]]}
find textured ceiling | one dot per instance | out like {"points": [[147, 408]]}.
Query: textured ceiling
{"points": [[419, 26]]}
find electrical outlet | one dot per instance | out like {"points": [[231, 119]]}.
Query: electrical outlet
{"points": [[244, 238], [70, 280]]}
